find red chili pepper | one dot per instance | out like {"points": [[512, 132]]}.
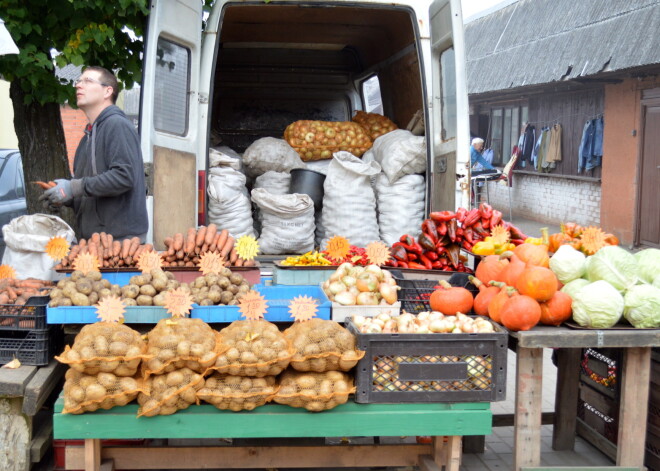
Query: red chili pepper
{"points": [[442, 216], [496, 218], [442, 229], [460, 214], [451, 229], [426, 241], [471, 217], [431, 255], [517, 241], [402, 264], [467, 245], [417, 266], [429, 227], [485, 211], [485, 223], [399, 252], [407, 239], [479, 229], [391, 263], [412, 256], [417, 248], [425, 261], [468, 235], [440, 251], [437, 265], [459, 233]]}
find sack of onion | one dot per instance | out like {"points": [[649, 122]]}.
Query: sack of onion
{"points": [[317, 140]]}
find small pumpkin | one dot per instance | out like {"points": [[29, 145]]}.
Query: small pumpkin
{"points": [[557, 240], [513, 270], [450, 300], [533, 254], [520, 313], [557, 309], [537, 282], [490, 268], [496, 303], [482, 299]]}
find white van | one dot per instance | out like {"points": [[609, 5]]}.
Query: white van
{"points": [[257, 66]]}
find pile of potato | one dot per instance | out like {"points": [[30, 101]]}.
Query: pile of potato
{"points": [[237, 393], [170, 392], [87, 393], [105, 347], [148, 289], [315, 392], [317, 140], [322, 345], [253, 348], [177, 343], [82, 290], [225, 288]]}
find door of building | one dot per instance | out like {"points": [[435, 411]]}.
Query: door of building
{"points": [[648, 215]]}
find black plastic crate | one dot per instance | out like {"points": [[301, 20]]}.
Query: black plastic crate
{"points": [[30, 316], [414, 294], [33, 347], [408, 368]]}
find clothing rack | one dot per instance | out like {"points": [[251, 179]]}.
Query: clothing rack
{"points": [[560, 118]]}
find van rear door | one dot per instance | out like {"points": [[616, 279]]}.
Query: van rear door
{"points": [[168, 119], [448, 137]]}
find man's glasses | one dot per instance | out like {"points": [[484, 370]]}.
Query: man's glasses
{"points": [[87, 81]]}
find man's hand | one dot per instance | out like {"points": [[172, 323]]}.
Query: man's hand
{"points": [[60, 194]]}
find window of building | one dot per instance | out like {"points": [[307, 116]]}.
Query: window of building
{"points": [[371, 97], [505, 126]]}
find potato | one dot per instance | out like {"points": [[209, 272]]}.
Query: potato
{"points": [[69, 291], [159, 299], [62, 283], [170, 275], [159, 284], [107, 380], [144, 300], [94, 275], [171, 285], [226, 297], [93, 297], [116, 290], [79, 299], [104, 293], [130, 302], [76, 394], [95, 392], [56, 302], [223, 282], [236, 279], [117, 348], [97, 286], [130, 291], [128, 384], [215, 294], [233, 289], [206, 302], [76, 275], [199, 282], [139, 280], [148, 290]]}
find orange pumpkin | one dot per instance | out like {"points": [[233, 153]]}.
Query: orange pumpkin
{"points": [[520, 313], [482, 299], [512, 271], [490, 268], [450, 300], [557, 309], [557, 240], [537, 282], [533, 254], [495, 304]]}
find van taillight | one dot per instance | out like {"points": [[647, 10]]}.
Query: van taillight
{"points": [[201, 198]]}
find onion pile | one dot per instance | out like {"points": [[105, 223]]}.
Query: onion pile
{"points": [[422, 323], [318, 140], [352, 285]]}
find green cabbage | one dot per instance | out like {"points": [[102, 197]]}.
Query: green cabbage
{"points": [[648, 264], [598, 305], [568, 264], [614, 265], [656, 281], [572, 287], [642, 306]]}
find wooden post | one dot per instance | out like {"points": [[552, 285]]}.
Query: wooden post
{"points": [[633, 407], [527, 420], [453, 453], [568, 380], [92, 454]]}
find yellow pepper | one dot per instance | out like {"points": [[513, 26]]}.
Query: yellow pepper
{"points": [[484, 247], [543, 240], [504, 248]]}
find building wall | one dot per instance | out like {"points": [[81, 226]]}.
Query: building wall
{"points": [[8, 139]]}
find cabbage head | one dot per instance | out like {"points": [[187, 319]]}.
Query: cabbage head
{"points": [[656, 281], [648, 264], [572, 287], [568, 264], [615, 265], [598, 305], [642, 306]]}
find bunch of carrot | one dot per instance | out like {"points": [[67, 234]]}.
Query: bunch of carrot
{"points": [[45, 185], [186, 250], [110, 253], [13, 291]]}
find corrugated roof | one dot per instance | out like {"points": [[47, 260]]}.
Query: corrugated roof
{"points": [[533, 42]]}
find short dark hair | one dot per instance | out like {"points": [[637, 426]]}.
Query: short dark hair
{"points": [[107, 78]]}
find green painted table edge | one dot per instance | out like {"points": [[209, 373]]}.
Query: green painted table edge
{"points": [[274, 420]]}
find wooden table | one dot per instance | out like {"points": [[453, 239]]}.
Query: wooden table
{"points": [[636, 369], [272, 421]]}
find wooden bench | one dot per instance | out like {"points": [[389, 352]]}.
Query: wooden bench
{"points": [[25, 435], [272, 421]]}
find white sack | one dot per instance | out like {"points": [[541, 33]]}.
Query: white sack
{"points": [[320, 166], [223, 156], [229, 205], [273, 154], [277, 183], [400, 206], [400, 153]]}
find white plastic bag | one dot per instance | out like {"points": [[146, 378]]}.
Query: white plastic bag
{"points": [[224, 156], [349, 203], [400, 206], [400, 153], [229, 205], [277, 183], [287, 222], [269, 153], [26, 238]]}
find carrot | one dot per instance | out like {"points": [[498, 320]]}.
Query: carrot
{"points": [[82, 243], [125, 247], [11, 293], [181, 263], [233, 256], [110, 239], [128, 261], [93, 249], [226, 248], [104, 240], [135, 243], [75, 250], [116, 248], [148, 247], [201, 236], [178, 241], [239, 262], [139, 251], [189, 264], [180, 254], [190, 240], [204, 249], [4, 298], [171, 259], [211, 231], [43, 185], [96, 238], [222, 239], [214, 245]]}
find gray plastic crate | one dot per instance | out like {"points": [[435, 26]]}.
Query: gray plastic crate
{"points": [[406, 368]]}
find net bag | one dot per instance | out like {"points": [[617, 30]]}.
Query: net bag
{"points": [[315, 392], [237, 393], [106, 347], [375, 124], [322, 345], [87, 393], [253, 348], [170, 392], [178, 343], [318, 140]]}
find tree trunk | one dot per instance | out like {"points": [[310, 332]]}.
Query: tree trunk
{"points": [[42, 146]]}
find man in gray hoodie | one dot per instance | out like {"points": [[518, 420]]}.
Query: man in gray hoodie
{"points": [[108, 191]]}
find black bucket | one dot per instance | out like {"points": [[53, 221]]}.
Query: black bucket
{"points": [[310, 183]]}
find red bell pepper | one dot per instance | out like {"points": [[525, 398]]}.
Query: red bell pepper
{"points": [[399, 252], [407, 239], [442, 216], [451, 229], [496, 218], [516, 233], [412, 257], [417, 266], [426, 241], [460, 214], [402, 264], [485, 211], [431, 255], [471, 217], [442, 229], [426, 262], [429, 228]]}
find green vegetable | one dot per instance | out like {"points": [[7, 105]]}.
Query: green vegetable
{"points": [[642, 306], [656, 281], [614, 265], [571, 288], [648, 264], [568, 264], [598, 305]]}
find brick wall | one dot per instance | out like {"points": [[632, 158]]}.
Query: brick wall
{"points": [[74, 122], [549, 200]]}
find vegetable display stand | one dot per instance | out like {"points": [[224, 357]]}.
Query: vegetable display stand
{"points": [[631, 433], [31, 347], [272, 421]]}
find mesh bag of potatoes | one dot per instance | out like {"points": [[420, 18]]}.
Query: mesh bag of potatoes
{"points": [[314, 391], [178, 343], [375, 124], [237, 393], [225, 288], [322, 345], [81, 290], [148, 289], [253, 348], [168, 393], [318, 140], [87, 393], [106, 347]]}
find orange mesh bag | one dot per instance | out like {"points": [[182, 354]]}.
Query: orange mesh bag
{"points": [[87, 393], [375, 124], [170, 392], [178, 343], [318, 140], [322, 345], [253, 348], [315, 392], [237, 393], [106, 347]]}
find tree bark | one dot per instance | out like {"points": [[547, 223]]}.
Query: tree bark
{"points": [[43, 148]]}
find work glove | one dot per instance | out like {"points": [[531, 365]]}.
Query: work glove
{"points": [[60, 194]]}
